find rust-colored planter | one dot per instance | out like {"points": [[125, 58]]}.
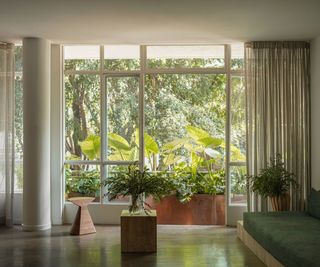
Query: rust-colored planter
{"points": [[201, 210], [281, 203]]}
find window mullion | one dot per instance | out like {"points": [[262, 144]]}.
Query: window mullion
{"points": [[228, 122], [103, 129], [141, 105]]}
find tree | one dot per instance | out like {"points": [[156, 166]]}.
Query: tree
{"points": [[82, 106], [174, 105]]}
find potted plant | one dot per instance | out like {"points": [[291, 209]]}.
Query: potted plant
{"points": [[188, 183], [274, 181], [83, 183], [137, 184], [197, 197]]}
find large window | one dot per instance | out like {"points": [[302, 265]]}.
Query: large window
{"points": [[187, 100], [18, 122]]}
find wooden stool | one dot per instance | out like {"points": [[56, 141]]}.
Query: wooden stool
{"points": [[82, 223], [138, 232]]}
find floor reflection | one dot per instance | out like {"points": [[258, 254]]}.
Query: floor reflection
{"points": [[186, 246]]}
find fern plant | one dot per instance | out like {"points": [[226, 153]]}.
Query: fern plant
{"points": [[273, 180], [137, 184]]}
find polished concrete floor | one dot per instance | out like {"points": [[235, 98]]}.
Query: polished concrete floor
{"points": [[187, 246]]}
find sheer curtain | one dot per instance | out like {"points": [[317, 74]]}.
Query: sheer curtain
{"points": [[278, 116], [6, 132]]}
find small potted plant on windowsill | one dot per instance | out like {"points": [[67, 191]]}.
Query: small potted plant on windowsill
{"points": [[274, 181], [137, 184]]}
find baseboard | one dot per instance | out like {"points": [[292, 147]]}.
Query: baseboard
{"points": [[33, 228], [256, 248]]}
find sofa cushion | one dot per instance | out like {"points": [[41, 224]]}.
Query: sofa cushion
{"points": [[293, 238], [314, 204]]}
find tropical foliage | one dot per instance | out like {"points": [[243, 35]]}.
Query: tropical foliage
{"points": [[201, 172], [273, 180], [185, 117], [18, 119], [137, 184], [84, 182]]}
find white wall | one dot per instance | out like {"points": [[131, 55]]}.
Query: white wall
{"points": [[101, 214], [315, 113]]}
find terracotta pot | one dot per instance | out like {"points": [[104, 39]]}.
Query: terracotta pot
{"points": [[201, 210], [281, 203]]}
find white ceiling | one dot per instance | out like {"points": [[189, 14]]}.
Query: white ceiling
{"points": [[159, 21]]}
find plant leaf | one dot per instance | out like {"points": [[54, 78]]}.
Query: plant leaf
{"points": [[210, 141], [175, 144], [196, 133], [117, 142], [91, 147], [150, 145], [171, 159]]}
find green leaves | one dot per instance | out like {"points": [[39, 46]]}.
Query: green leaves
{"points": [[174, 145], [202, 137], [151, 147], [134, 182], [118, 142], [193, 158], [121, 149], [273, 180], [91, 147], [210, 141], [85, 182], [196, 133]]}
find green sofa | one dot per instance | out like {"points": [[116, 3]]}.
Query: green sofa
{"points": [[293, 238]]}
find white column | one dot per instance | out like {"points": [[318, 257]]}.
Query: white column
{"points": [[36, 115], [57, 194]]}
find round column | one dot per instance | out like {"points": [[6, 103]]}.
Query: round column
{"points": [[36, 116]]}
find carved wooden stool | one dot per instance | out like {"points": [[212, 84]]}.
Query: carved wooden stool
{"points": [[82, 223]]}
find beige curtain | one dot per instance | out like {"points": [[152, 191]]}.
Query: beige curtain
{"points": [[278, 116], [6, 132]]}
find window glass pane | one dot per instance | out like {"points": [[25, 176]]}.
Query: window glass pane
{"points": [[113, 170], [237, 56], [238, 185], [122, 57], [185, 56], [81, 57], [18, 120], [238, 120], [185, 122], [82, 181], [82, 117], [122, 118]]}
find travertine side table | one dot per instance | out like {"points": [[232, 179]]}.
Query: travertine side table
{"points": [[82, 223]]}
